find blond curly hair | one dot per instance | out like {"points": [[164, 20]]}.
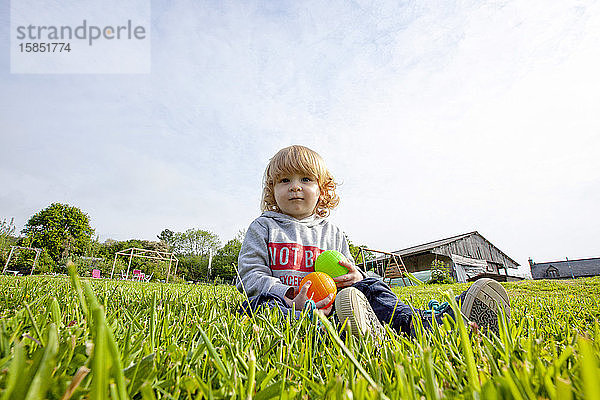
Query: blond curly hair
{"points": [[299, 159]]}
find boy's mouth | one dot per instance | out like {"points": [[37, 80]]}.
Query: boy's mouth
{"points": [[295, 198]]}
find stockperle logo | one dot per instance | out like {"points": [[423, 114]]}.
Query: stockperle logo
{"points": [[85, 31], [80, 36]]}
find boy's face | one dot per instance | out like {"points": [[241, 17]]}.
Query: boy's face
{"points": [[297, 194]]}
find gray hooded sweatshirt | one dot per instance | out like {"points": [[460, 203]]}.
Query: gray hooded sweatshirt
{"points": [[279, 250]]}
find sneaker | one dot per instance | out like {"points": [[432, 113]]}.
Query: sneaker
{"points": [[354, 311], [481, 304]]}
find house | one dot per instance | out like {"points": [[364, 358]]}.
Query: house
{"points": [[470, 256], [567, 269]]}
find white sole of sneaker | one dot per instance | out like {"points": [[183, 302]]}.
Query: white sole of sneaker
{"points": [[352, 308], [482, 302]]}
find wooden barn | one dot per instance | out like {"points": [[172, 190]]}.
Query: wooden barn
{"points": [[567, 269], [470, 256]]}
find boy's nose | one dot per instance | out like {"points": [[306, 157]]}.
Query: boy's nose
{"points": [[295, 186]]}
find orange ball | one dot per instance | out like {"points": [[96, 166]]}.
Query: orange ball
{"points": [[322, 286]]}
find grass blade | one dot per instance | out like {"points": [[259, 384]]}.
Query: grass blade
{"points": [[41, 380]]}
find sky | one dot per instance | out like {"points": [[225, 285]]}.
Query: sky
{"points": [[436, 119]]}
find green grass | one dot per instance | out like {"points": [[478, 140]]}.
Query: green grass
{"points": [[62, 338]]}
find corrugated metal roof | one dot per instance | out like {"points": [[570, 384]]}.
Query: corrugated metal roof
{"points": [[422, 248], [431, 245]]}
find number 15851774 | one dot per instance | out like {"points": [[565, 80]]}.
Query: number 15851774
{"points": [[53, 47]]}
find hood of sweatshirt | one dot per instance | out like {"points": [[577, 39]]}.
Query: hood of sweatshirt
{"points": [[310, 221]]}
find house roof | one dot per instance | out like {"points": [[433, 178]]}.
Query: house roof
{"points": [[431, 245], [566, 268], [422, 248]]}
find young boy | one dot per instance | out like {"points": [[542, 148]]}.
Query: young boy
{"points": [[282, 244]]}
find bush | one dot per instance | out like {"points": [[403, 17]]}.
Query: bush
{"points": [[440, 273]]}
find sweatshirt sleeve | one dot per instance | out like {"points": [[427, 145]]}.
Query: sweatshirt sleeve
{"points": [[256, 276]]}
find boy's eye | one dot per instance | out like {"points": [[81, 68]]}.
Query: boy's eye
{"points": [[306, 179], [284, 180]]}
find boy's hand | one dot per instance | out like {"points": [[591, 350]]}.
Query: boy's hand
{"points": [[300, 299], [323, 303], [350, 278]]}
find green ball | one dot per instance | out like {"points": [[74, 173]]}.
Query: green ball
{"points": [[328, 262]]}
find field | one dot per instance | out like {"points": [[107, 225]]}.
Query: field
{"points": [[63, 338]]}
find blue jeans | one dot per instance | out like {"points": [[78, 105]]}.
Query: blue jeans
{"points": [[391, 310], [387, 306]]}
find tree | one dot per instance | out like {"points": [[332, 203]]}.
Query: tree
{"points": [[356, 253], [61, 230], [226, 258], [193, 268], [192, 248], [7, 239], [167, 236], [7, 229], [195, 242]]}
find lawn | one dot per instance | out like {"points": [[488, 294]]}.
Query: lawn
{"points": [[63, 338]]}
